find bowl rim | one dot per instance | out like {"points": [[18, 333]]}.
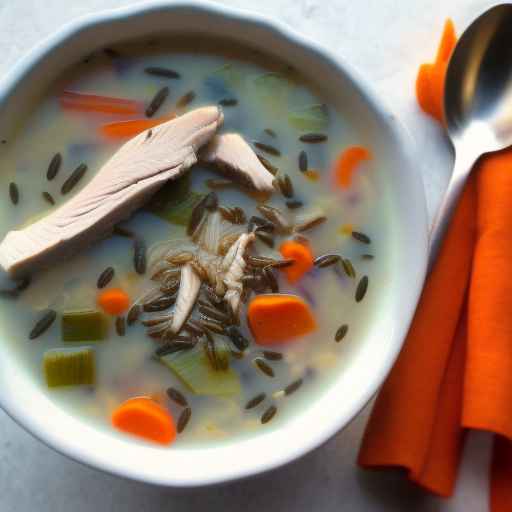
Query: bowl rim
{"points": [[405, 147]]}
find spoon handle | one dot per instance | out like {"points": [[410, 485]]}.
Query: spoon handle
{"points": [[462, 168]]}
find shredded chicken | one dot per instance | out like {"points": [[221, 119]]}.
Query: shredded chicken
{"points": [[234, 266], [187, 295]]}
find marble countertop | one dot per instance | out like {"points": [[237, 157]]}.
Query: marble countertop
{"points": [[385, 40]]}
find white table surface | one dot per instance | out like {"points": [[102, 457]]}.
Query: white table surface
{"points": [[385, 40]]}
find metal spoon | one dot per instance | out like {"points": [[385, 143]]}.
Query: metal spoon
{"points": [[477, 104]]}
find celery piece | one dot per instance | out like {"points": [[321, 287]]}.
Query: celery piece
{"points": [[194, 369], [69, 367], [175, 201], [83, 325], [179, 212], [311, 118], [272, 89]]}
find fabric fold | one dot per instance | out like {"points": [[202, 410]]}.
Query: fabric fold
{"points": [[455, 370]]}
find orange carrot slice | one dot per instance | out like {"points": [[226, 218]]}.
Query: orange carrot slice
{"points": [[124, 129], [276, 318], [143, 417], [430, 80], [93, 103], [114, 301], [347, 164], [302, 256]]}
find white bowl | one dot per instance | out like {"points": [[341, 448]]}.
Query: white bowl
{"points": [[353, 387]]}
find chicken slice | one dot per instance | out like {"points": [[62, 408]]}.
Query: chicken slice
{"points": [[137, 170], [234, 265], [235, 158], [190, 283]]}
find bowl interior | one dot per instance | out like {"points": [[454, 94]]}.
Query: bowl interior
{"points": [[353, 387]]}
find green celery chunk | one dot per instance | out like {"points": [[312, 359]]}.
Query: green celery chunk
{"points": [[194, 369], [69, 367], [312, 118], [272, 89], [83, 325], [180, 212], [229, 74], [175, 201]]}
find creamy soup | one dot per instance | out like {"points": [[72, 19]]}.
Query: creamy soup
{"points": [[311, 278]]}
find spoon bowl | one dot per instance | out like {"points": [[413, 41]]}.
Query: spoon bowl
{"points": [[477, 103]]}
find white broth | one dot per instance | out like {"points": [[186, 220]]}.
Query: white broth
{"points": [[125, 367]]}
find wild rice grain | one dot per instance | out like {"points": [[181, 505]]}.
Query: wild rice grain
{"points": [[254, 402], [149, 134], [294, 204], [228, 102], [269, 355], [367, 256], [261, 224], [54, 166], [348, 268], [43, 324], [209, 324], [361, 237], [73, 179], [133, 314], [309, 224], [272, 169], [173, 347], [139, 255], [177, 397], [267, 148], [184, 419], [263, 367], [271, 279], [341, 332], [294, 386], [194, 326], [303, 161], [286, 186], [327, 260], [105, 277], [151, 322], [48, 198], [157, 101], [313, 138], [162, 72], [186, 99], [14, 193], [265, 237], [120, 326], [160, 304], [214, 313], [268, 414], [237, 338], [282, 263], [361, 289]]}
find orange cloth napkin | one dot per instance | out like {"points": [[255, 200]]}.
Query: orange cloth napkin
{"points": [[455, 370]]}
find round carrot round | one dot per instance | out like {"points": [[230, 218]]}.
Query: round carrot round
{"points": [[114, 301], [277, 318], [143, 417]]}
